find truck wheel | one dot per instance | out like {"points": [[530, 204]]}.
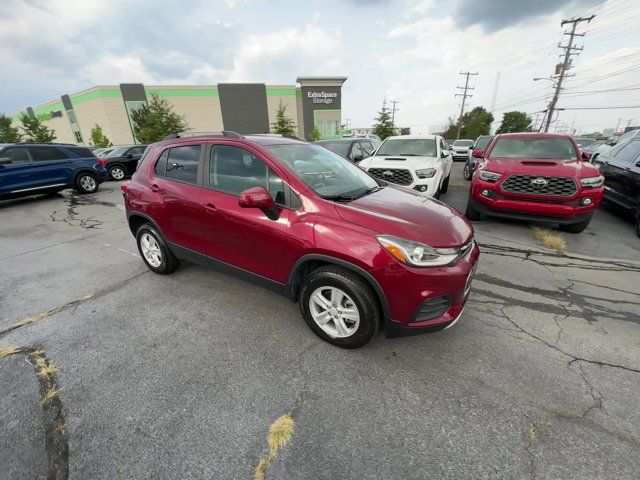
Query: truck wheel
{"points": [[339, 306], [472, 213], [638, 222], [445, 184], [467, 172], [154, 250], [575, 227], [86, 183]]}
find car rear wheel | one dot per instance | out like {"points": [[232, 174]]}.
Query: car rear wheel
{"points": [[116, 172], [154, 251], [339, 306], [467, 171], [472, 213], [575, 227], [638, 222], [86, 183]]}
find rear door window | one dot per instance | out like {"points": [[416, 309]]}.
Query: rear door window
{"points": [[43, 154], [135, 151], [16, 155], [628, 151]]}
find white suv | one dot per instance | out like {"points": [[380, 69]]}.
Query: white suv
{"points": [[420, 162]]}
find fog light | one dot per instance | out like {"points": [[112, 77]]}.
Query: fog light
{"points": [[586, 201], [486, 193], [423, 188]]}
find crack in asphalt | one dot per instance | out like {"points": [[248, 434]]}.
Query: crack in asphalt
{"points": [[55, 439]]}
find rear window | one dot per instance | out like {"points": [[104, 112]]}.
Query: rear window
{"points": [[82, 152], [542, 148], [462, 143], [40, 154]]}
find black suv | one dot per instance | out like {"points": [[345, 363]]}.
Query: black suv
{"points": [[621, 170], [123, 161], [353, 149]]}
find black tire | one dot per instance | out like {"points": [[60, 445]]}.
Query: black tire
{"points": [[445, 184], [472, 213], [575, 227], [117, 172], [357, 289], [168, 262], [638, 222], [86, 182], [467, 172]]}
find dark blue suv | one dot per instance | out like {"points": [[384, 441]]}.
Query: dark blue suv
{"points": [[30, 168]]}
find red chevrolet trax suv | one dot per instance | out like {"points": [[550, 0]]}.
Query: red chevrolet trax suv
{"points": [[535, 176], [300, 219]]}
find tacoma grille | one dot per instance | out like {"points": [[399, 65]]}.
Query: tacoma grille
{"points": [[396, 175], [540, 185]]}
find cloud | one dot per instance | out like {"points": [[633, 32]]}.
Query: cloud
{"points": [[495, 15]]}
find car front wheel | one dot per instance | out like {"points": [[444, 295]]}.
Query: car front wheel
{"points": [[339, 306], [472, 213], [467, 172]]}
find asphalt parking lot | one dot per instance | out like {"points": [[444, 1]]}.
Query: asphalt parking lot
{"points": [[180, 376]]}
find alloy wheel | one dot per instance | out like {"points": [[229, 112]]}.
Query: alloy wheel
{"points": [[151, 250], [117, 173], [88, 183], [334, 312]]}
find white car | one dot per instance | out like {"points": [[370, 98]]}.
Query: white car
{"points": [[420, 162], [606, 147], [460, 148]]}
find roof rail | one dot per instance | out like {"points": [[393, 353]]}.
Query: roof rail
{"points": [[223, 133], [49, 143]]}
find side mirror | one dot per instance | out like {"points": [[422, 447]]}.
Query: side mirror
{"points": [[259, 197], [585, 155], [129, 155], [5, 160], [478, 153]]}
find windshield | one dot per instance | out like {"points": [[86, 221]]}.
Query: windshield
{"points": [[326, 173], [483, 142], [545, 148], [118, 152], [341, 148], [585, 142], [463, 143], [409, 147]]}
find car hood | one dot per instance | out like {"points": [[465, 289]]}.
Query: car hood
{"points": [[398, 161], [403, 213], [532, 166]]}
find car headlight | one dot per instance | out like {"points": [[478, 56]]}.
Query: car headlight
{"points": [[418, 254], [489, 176], [426, 172], [592, 182]]}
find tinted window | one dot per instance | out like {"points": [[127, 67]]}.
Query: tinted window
{"points": [[234, 170], [341, 148], [356, 152], [135, 151], [483, 142], [40, 154], [462, 143], [161, 164], [83, 152], [543, 148], [17, 155], [410, 147], [182, 163], [367, 148], [118, 152], [628, 152]]}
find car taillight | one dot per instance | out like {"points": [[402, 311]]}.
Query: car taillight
{"points": [[124, 187], [102, 162]]}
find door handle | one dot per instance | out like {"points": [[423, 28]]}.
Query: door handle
{"points": [[210, 208], [155, 188]]}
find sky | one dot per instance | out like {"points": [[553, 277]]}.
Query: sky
{"points": [[411, 51]]}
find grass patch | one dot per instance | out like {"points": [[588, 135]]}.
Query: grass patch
{"points": [[50, 395], [280, 433], [46, 371], [6, 351], [549, 239]]}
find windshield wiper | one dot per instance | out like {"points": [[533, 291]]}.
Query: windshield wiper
{"points": [[339, 198], [368, 191]]}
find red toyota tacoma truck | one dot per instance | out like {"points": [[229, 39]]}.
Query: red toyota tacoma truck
{"points": [[535, 176]]}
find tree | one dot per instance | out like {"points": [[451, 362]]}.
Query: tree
{"points": [[155, 120], [34, 131], [8, 133], [383, 126], [315, 134], [405, 131], [475, 123], [451, 129], [283, 124], [99, 139], [515, 122]]}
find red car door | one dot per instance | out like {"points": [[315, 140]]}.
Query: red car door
{"points": [[246, 237]]}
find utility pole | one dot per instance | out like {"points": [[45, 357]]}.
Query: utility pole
{"points": [[394, 109], [566, 64], [618, 125], [464, 96], [495, 92]]}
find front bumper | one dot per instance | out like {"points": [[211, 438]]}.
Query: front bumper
{"points": [[426, 186], [409, 289]]}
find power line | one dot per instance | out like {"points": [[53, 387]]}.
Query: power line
{"points": [[464, 96], [601, 108]]}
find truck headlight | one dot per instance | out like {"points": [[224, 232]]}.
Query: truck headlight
{"points": [[489, 176], [592, 182], [426, 172], [418, 254]]}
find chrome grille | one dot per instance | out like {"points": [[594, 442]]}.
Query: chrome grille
{"points": [[533, 185], [396, 175]]}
